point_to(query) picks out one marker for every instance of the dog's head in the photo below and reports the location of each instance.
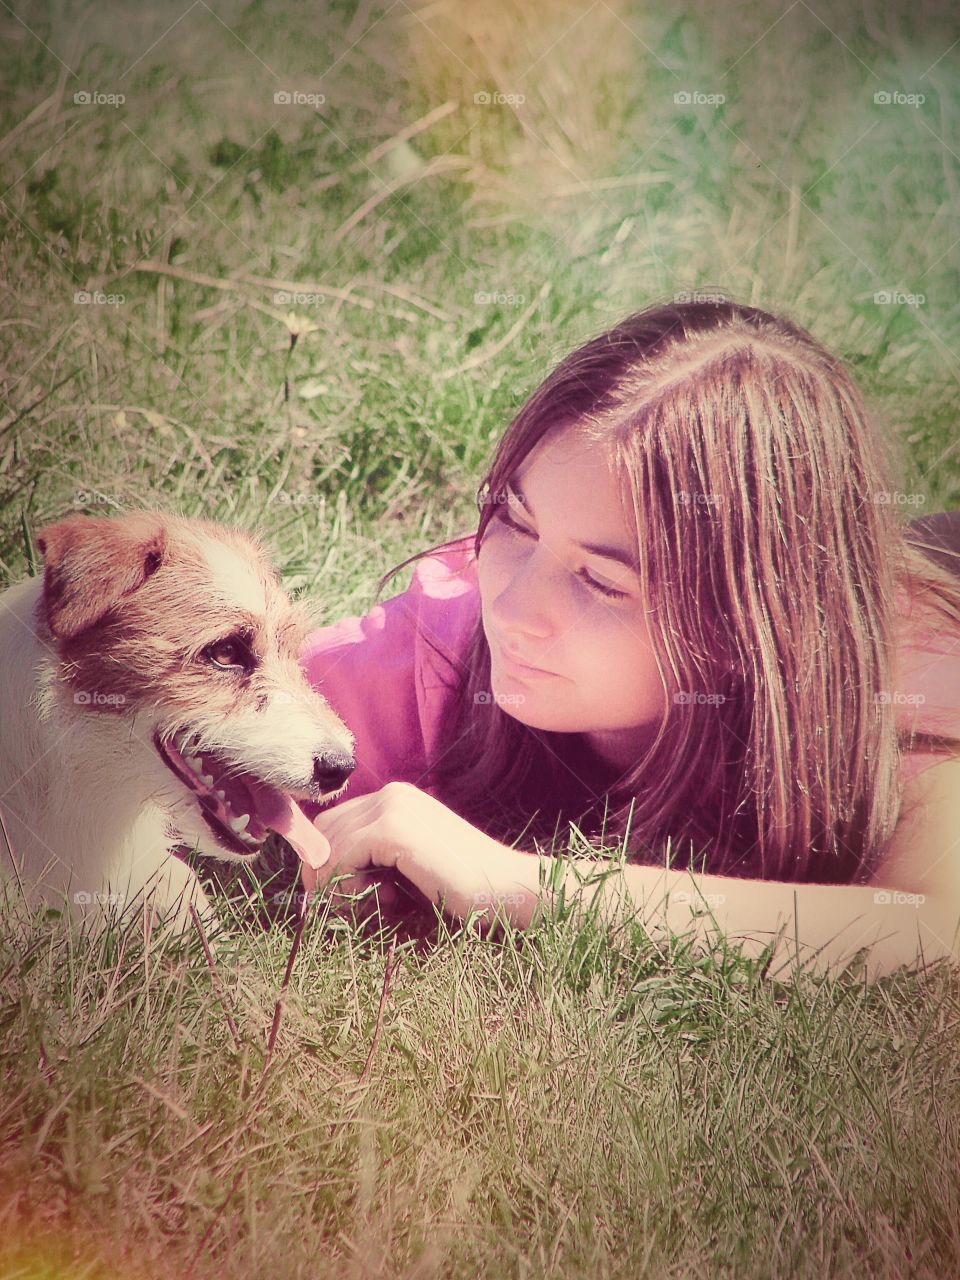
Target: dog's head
(178, 649)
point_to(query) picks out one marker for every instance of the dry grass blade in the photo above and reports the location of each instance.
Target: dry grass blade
(483, 356)
(384, 990)
(278, 1008)
(218, 984)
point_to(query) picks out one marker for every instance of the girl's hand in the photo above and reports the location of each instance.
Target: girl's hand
(447, 859)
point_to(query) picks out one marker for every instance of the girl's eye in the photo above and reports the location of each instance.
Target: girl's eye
(611, 592)
(501, 515)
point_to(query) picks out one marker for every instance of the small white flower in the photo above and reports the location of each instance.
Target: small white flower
(297, 324)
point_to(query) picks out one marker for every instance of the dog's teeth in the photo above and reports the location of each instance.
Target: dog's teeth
(195, 763)
(239, 825)
(222, 795)
(206, 779)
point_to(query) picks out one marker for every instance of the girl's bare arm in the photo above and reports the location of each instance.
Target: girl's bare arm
(909, 913)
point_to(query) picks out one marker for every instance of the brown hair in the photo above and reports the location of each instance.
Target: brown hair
(770, 548)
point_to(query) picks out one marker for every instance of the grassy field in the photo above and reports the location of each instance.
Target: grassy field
(295, 267)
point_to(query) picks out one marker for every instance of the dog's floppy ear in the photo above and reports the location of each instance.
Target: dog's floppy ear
(90, 563)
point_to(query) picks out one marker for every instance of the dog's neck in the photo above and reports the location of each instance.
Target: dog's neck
(62, 765)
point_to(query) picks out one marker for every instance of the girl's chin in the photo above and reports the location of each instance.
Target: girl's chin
(511, 699)
(521, 706)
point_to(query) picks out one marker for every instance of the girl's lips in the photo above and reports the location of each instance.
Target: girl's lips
(520, 668)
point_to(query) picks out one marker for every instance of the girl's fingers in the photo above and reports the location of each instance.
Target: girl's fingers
(347, 811)
(355, 832)
(346, 846)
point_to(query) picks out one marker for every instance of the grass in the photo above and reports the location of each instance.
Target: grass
(558, 1103)
(567, 1102)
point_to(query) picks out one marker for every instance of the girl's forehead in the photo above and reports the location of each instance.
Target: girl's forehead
(568, 451)
(574, 479)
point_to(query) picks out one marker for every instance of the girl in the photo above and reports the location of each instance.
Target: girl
(690, 625)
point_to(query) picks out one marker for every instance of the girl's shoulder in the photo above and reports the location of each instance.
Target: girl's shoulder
(387, 672)
(445, 596)
(926, 677)
(447, 572)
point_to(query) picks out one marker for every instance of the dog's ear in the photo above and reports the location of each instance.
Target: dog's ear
(90, 563)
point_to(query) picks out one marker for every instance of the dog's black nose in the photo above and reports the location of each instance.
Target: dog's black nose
(330, 772)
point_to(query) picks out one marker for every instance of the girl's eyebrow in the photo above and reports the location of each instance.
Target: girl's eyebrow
(592, 548)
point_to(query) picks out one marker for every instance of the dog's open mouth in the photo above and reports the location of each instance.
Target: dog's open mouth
(238, 807)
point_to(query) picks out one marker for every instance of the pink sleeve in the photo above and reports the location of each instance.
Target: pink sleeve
(927, 684)
(382, 674)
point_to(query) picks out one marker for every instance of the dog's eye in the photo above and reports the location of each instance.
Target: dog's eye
(229, 653)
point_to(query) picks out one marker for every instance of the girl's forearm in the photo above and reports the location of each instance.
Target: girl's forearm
(816, 926)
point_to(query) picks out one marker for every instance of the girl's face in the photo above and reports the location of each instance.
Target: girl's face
(552, 596)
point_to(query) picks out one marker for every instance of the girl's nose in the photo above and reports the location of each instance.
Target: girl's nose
(521, 608)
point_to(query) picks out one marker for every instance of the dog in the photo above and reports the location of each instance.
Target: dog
(151, 696)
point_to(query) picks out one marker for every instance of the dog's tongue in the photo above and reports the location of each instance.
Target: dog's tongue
(285, 816)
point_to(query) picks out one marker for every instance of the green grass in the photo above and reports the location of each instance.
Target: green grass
(561, 1102)
(566, 1103)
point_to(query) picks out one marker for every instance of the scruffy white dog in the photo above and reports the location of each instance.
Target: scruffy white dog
(151, 695)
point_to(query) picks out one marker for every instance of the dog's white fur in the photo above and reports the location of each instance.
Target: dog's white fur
(110, 646)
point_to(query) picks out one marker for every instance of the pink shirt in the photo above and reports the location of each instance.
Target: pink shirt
(387, 684)
(383, 679)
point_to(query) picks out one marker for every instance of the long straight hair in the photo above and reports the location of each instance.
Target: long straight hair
(771, 550)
